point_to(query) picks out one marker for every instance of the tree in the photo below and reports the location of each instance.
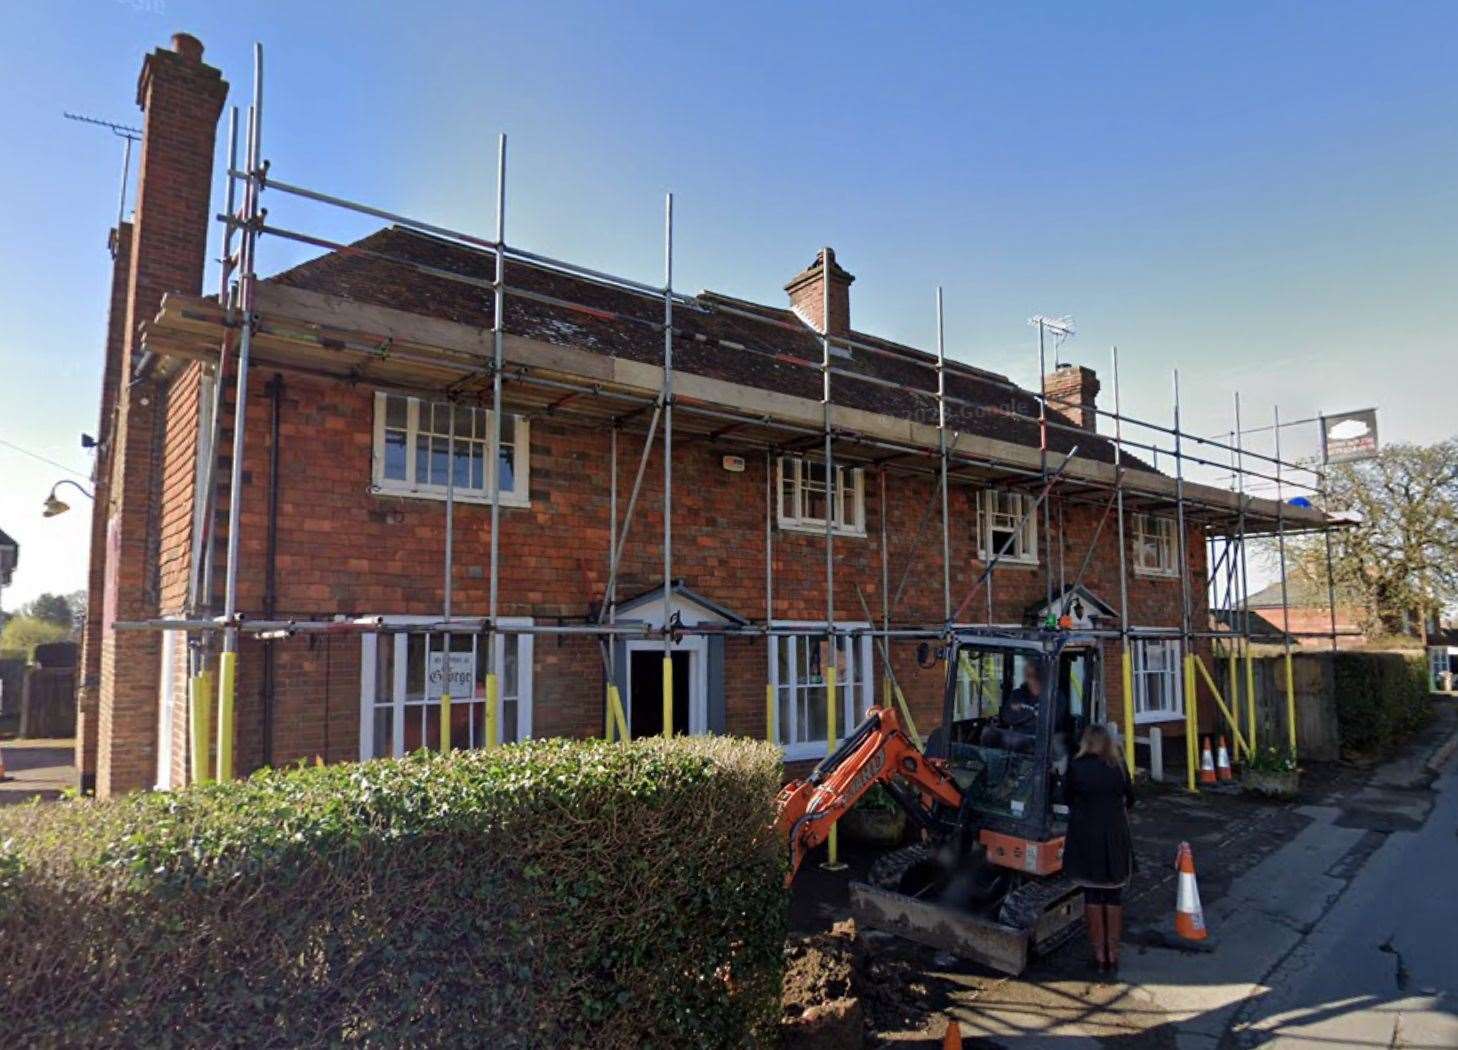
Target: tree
(77, 600)
(1400, 562)
(24, 632)
(53, 608)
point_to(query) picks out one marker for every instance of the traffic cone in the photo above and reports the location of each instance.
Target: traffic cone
(1222, 762)
(1207, 764)
(3, 775)
(953, 1039)
(1189, 916)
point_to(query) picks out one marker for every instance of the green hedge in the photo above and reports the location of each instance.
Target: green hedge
(1380, 697)
(552, 893)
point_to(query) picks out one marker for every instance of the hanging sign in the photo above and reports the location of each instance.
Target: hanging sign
(462, 671)
(1348, 437)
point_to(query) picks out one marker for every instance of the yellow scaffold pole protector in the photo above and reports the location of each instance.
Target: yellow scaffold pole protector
(227, 677)
(200, 724)
(832, 859)
(1250, 700)
(492, 714)
(667, 696)
(445, 714)
(617, 720)
(1128, 668)
(1234, 683)
(1290, 704)
(1192, 724)
(1230, 716)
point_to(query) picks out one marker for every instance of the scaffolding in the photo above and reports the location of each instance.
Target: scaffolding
(238, 326)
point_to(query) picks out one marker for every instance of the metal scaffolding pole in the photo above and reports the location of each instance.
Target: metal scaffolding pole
(1285, 601)
(1125, 657)
(498, 362)
(829, 666)
(667, 462)
(1250, 697)
(247, 279)
(886, 697)
(769, 585)
(1043, 466)
(1325, 497)
(942, 456)
(1192, 715)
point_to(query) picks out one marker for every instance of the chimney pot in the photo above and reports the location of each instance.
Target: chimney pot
(188, 46)
(808, 298)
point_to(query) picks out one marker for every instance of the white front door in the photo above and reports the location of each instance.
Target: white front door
(403, 676)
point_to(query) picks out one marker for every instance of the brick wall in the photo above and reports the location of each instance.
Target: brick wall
(180, 98)
(343, 550)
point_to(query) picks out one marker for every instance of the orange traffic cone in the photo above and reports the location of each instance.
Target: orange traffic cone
(1189, 916)
(1222, 762)
(3, 775)
(953, 1039)
(1207, 764)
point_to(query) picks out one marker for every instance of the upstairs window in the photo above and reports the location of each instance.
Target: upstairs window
(1004, 520)
(414, 443)
(1155, 549)
(803, 497)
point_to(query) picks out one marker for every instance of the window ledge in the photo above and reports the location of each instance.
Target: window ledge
(804, 751)
(508, 499)
(1156, 574)
(1011, 563)
(819, 530)
(1158, 717)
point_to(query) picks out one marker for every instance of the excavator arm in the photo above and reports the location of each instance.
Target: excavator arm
(878, 751)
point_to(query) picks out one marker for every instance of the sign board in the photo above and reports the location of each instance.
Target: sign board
(463, 675)
(1349, 436)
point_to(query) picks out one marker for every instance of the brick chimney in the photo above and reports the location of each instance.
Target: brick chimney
(807, 294)
(180, 98)
(1072, 391)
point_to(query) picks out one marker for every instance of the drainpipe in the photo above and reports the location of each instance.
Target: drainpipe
(274, 389)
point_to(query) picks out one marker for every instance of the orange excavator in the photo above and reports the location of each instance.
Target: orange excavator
(984, 882)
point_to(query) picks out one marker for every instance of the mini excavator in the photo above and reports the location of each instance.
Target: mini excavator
(985, 881)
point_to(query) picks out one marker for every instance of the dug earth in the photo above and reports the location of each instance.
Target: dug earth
(836, 993)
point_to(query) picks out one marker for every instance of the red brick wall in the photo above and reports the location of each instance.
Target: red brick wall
(344, 550)
(89, 682)
(181, 98)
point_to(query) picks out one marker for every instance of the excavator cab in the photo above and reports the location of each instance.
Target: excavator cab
(986, 882)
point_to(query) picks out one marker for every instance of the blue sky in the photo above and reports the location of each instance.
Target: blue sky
(1260, 194)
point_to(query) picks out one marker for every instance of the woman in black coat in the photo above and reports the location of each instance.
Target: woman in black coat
(1098, 853)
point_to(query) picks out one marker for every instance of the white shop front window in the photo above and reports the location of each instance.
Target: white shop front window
(403, 675)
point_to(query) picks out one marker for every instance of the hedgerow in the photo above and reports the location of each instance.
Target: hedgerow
(552, 893)
(1380, 697)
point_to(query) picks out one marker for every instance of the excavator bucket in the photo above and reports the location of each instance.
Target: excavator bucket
(1030, 921)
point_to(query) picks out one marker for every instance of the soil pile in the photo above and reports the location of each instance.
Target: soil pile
(835, 991)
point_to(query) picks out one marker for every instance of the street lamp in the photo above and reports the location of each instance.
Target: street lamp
(54, 506)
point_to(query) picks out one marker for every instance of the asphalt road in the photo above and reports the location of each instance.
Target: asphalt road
(1381, 968)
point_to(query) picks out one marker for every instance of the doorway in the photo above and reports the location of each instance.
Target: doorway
(645, 692)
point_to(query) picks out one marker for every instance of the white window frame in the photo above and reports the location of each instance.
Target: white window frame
(1171, 669)
(850, 488)
(853, 701)
(399, 687)
(1149, 528)
(519, 495)
(987, 510)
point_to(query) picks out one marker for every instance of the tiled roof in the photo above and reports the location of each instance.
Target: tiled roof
(710, 340)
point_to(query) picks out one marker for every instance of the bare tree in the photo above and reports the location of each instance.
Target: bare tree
(1400, 562)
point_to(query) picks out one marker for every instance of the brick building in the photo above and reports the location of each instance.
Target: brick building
(370, 387)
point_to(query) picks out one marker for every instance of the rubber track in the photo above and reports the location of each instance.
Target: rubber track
(1024, 906)
(888, 871)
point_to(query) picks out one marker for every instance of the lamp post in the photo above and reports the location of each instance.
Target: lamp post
(54, 506)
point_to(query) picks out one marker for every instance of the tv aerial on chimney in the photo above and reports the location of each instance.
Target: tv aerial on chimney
(1060, 328)
(128, 135)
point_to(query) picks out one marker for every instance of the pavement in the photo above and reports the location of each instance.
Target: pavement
(41, 768)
